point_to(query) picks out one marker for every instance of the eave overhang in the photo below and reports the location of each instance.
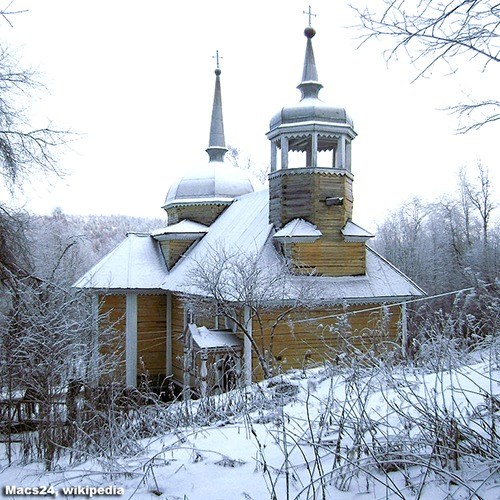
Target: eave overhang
(198, 202)
(311, 126)
(355, 234)
(184, 230)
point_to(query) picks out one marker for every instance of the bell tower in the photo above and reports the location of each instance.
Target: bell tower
(311, 203)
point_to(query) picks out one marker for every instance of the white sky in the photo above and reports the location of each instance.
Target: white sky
(136, 80)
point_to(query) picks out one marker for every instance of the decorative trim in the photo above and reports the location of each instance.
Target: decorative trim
(341, 172)
(195, 202)
(312, 126)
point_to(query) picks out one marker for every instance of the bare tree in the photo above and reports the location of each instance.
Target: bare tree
(450, 244)
(431, 32)
(402, 237)
(45, 336)
(228, 282)
(23, 149)
(480, 196)
(14, 247)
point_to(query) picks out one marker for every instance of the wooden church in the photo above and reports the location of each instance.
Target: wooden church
(300, 228)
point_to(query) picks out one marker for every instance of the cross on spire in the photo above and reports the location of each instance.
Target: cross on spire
(310, 14)
(217, 58)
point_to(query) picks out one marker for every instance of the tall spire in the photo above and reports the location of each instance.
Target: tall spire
(217, 144)
(309, 85)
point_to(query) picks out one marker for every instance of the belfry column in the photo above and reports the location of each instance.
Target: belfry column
(274, 156)
(340, 161)
(314, 150)
(284, 152)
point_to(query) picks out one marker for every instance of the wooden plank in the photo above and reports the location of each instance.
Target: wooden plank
(332, 258)
(112, 337)
(151, 333)
(297, 344)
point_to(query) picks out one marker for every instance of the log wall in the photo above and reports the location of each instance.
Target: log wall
(331, 258)
(112, 337)
(203, 214)
(302, 195)
(151, 334)
(173, 250)
(295, 345)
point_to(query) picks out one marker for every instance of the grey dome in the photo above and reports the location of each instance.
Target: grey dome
(311, 109)
(216, 182)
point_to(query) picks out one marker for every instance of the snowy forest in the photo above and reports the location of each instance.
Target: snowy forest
(420, 420)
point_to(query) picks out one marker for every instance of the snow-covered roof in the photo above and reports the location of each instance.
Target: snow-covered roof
(353, 232)
(298, 230)
(243, 226)
(382, 282)
(214, 339)
(185, 229)
(136, 263)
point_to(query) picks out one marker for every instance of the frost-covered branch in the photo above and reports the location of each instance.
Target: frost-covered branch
(434, 33)
(232, 281)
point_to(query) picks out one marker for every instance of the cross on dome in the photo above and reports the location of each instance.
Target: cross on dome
(217, 58)
(310, 14)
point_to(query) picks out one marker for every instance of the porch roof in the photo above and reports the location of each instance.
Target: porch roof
(224, 340)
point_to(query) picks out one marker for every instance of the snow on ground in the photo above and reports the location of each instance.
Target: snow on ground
(350, 434)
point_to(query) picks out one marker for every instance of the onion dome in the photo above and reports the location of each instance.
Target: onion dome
(310, 108)
(218, 182)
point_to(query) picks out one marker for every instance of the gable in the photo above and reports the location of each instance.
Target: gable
(244, 226)
(136, 263)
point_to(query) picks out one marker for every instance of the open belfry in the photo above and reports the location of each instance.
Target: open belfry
(299, 235)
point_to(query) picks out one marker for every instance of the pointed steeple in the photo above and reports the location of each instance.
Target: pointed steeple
(309, 85)
(217, 144)
(214, 185)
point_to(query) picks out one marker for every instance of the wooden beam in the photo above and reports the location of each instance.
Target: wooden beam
(131, 340)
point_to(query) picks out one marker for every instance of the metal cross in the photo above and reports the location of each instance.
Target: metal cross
(216, 57)
(310, 14)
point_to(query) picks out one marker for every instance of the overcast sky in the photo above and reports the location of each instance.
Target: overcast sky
(136, 80)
